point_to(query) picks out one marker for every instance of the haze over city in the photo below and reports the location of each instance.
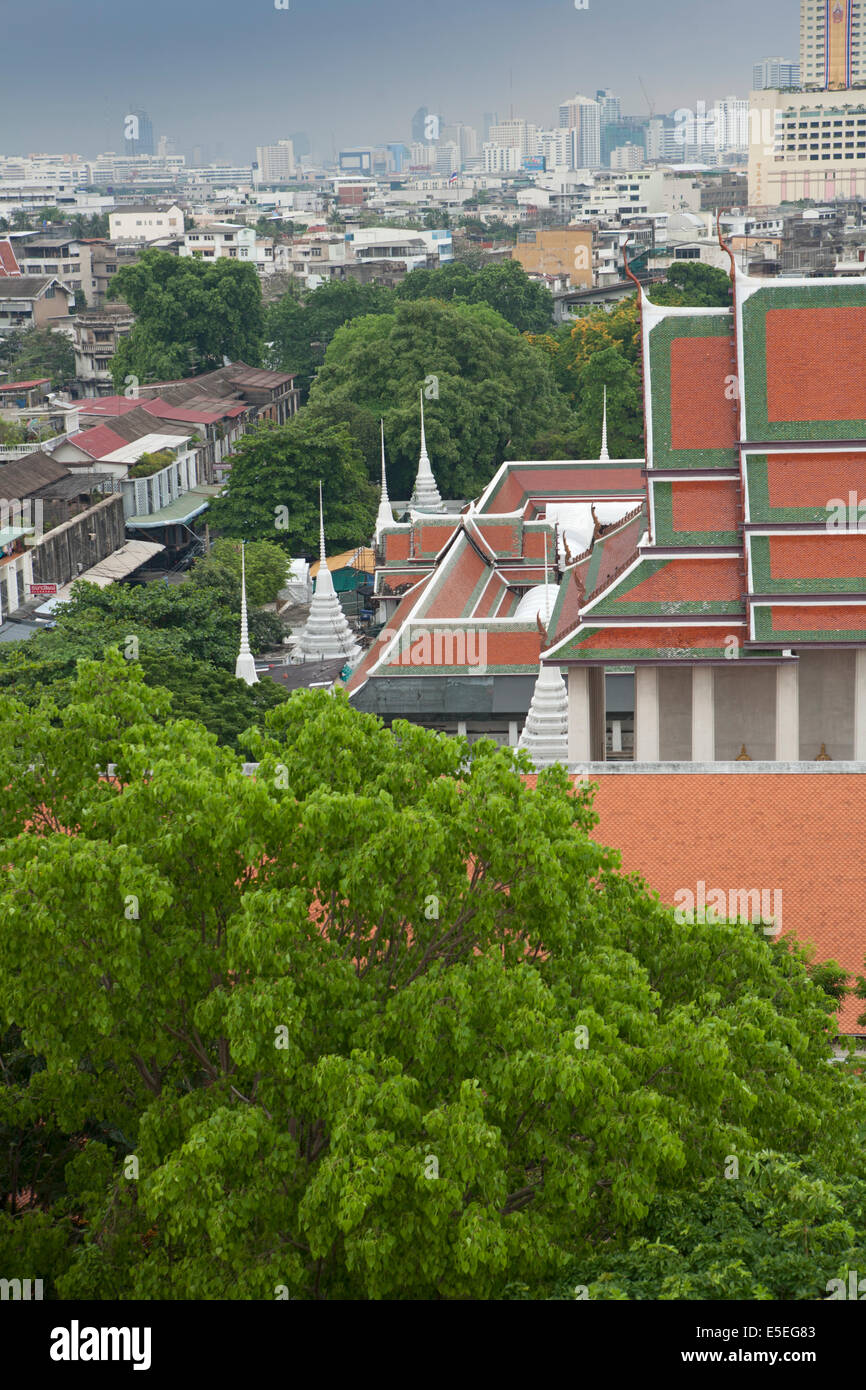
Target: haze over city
(229, 76)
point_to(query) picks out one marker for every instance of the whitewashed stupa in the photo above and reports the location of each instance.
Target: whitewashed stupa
(425, 494)
(326, 634)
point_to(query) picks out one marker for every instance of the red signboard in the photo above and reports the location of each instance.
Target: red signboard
(43, 589)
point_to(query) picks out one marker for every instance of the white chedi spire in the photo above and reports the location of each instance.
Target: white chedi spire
(245, 666)
(425, 494)
(604, 455)
(384, 516)
(326, 634)
(545, 733)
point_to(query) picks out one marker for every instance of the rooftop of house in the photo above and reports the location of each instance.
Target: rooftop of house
(26, 476)
(25, 385)
(29, 286)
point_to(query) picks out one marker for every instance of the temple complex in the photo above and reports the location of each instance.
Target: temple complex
(725, 574)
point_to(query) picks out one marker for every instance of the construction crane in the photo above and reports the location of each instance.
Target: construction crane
(650, 103)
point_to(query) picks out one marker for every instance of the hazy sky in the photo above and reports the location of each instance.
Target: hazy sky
(230, 74)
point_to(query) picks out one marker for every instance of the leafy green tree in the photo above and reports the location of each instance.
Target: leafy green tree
(703, 286)
(272, 492)
(189, 315)
(264, 563)
(299, 333)
(524, 303)
(325, 1072)
(184, 636)
(33, 352)
(488, 390)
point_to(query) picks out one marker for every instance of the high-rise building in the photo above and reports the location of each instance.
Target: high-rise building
(491, 118)
(137, 133)
(583, 115)
(276, 162)
(610, 106)
(806, 145)
(626, 131)
(515, 134)
(832, 44)
(775, 72)
(732, 125)
(419, 121)
(627, 157)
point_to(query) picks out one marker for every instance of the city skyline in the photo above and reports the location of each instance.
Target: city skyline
(386, 61)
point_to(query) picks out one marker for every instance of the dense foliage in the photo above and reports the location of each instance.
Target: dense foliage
(487, 391)
(183, 636)
(272, 491)
(253, 1050)
(189, 316)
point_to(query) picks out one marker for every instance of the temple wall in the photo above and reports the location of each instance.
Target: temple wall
(675, 713)
(826, 703)
(745, 711)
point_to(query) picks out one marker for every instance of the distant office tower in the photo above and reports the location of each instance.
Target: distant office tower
(775, 73)
(610, 107)
(732, 125)
(166, 145)
(422, 154)
(627, 157)
(515, 134)
(300, 144)
(399, 156)
(490, 118)
(276, 162)
(419, 121)
(464, 137)
(626, 131)
(832, 44)
(448, 158)
(583, 115)
(137, 133)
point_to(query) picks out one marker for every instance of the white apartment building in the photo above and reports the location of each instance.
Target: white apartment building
(276, 163)
(832, 43)
(145, 222)
(775, 72)
(807, 145)
(502, 159)
(732, 125)
(515, 134)
(583, 115)
(221, 240)
(627, 157)
(139, 169)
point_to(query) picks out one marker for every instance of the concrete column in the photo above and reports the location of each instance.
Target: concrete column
(12, 585)
(788, 714)
(461, 728)
(646, 714)
(513, 733)
(28, 571)
(579, 749)
(703, 715)
(860, 705)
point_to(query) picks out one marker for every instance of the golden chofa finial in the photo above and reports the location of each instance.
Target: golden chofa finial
(823, 756)
(742, 756)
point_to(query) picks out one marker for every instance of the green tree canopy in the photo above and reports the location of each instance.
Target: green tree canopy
(506, 287)
(32, 352)
(299, 332)
(189, 316)
(272, 491)
(264, 563)
(488, 392)
(381, 1022)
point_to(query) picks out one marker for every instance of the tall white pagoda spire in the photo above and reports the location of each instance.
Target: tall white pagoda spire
(604, 455)
(545, 733)
(326, 634)
(425, 494)
(384, 516)
(245, 666)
